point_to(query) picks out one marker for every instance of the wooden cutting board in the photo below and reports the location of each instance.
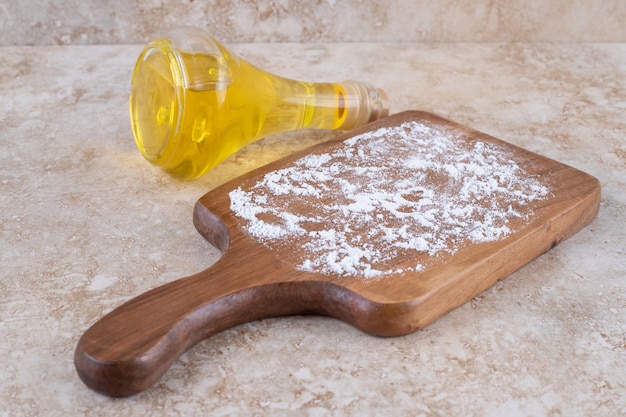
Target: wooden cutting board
(387, 228)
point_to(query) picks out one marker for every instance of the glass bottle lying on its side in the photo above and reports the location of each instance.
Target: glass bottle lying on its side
(193, 103)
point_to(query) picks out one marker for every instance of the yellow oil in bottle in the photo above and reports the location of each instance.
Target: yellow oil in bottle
(195, 104)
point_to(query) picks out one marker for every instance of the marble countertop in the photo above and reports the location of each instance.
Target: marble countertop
(87, 224)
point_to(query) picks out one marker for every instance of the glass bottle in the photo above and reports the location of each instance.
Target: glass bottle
(193, 103)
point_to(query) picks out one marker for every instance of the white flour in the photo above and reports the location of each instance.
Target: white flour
(386, 198)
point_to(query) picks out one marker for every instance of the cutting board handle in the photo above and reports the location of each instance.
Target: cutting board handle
(130, 348)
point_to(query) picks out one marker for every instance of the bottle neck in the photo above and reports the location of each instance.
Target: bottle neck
(336, 106)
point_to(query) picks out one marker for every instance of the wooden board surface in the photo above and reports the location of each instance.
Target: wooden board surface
(424, 227)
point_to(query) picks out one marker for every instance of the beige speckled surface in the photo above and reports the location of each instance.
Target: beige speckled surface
(86, 223)
(49, 22)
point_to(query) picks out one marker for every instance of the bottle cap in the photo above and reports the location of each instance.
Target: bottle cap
(365, 104)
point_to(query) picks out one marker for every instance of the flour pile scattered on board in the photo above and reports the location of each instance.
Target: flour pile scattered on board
(387, 196)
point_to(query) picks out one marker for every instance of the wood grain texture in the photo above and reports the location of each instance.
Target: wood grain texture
(133, 346)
